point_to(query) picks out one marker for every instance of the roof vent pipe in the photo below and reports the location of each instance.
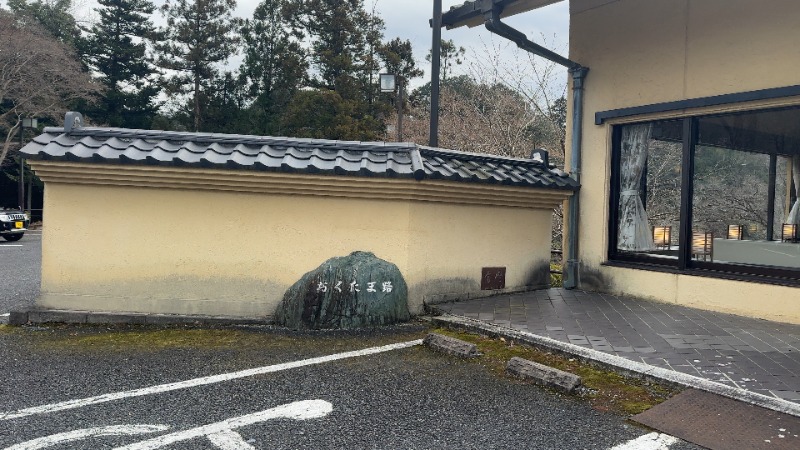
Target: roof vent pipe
(578, 72)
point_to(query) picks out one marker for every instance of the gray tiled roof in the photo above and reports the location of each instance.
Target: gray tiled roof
(315, 156)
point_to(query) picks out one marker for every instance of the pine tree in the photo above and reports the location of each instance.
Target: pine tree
(200, 35)
(450, 56)
(55, 16)
(118, 52)
(274, 65)
(398, 58)
(339, 33)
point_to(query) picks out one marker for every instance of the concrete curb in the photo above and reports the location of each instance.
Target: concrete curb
(39, 316)
(451, 346)
(619, 364)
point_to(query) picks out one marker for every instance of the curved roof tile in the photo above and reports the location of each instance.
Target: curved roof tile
(317, 156)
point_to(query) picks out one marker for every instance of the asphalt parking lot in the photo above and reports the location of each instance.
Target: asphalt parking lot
(20, 271)
(242, 388)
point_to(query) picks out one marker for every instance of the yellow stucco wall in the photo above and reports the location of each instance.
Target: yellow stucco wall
(114, 247)
(642, 52)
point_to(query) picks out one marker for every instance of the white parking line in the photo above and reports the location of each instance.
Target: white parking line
(652, 441)
(77, 435)
(80, 403)
(11, 245)
(221, 432)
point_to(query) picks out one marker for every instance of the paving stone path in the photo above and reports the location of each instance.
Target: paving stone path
(753, 354)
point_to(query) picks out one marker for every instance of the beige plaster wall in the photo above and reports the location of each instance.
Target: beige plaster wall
(465, 238)
(165, 250)
(642, 52)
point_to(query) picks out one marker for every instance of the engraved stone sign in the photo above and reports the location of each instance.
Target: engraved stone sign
(354, 291)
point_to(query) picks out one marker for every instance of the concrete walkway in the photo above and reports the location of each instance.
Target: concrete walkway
(752, 354)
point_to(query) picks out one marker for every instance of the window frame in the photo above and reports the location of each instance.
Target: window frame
(684, 264)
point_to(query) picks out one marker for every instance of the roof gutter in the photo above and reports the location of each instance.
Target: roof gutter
(491, 15)
(495, 25)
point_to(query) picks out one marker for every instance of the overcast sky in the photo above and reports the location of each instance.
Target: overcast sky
(408, 19)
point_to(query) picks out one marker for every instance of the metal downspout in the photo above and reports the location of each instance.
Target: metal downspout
(571, 267)
(578, 72)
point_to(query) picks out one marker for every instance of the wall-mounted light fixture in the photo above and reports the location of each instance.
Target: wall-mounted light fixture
(790, 232)
(736, 232)
(703, 245)
(662, 236)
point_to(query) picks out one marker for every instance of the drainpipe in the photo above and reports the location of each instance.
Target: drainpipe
(494, 25)
(578, 72)
(571, 267)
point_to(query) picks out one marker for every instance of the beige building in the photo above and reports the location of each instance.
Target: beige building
(688, 145)
(208, 224)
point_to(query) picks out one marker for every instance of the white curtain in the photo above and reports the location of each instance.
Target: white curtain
(794, 213)
(634, 231)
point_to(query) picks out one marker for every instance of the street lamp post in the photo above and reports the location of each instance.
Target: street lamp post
(389, 83)
(26, 123)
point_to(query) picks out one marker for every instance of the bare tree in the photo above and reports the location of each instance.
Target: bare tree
(39, 77)
(504, 106)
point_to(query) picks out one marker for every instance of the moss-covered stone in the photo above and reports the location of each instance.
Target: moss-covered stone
(355, 291)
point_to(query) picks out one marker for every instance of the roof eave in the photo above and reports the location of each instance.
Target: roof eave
(471, 14)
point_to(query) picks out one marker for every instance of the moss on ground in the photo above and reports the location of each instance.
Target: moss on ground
(96, 338)
(605, 390)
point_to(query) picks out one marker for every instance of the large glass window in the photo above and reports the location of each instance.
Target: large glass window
(648, 185)
(736, 205)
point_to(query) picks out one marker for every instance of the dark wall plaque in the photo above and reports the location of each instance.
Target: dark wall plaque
(493, 278)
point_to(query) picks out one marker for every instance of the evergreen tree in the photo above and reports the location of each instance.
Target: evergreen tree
(449, 56)
(345, 43)
(118, 52)
(54, 16)
(324, 114)
(274, 66)
(398, 58)
(226, 111)
(338, 32)
(200, 35)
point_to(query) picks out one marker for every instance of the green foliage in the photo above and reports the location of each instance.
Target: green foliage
(54, 16)
(340, 33)
(345, 50)
(556, 277)
(274, 66)
(449, 56)
(199, 35)
(117, 51)
(324, 114)
(398, 58)
(309, 66)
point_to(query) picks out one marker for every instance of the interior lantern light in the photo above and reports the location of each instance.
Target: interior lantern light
(703, 245)
(736, 232)
(790, 232)
(662, 236)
